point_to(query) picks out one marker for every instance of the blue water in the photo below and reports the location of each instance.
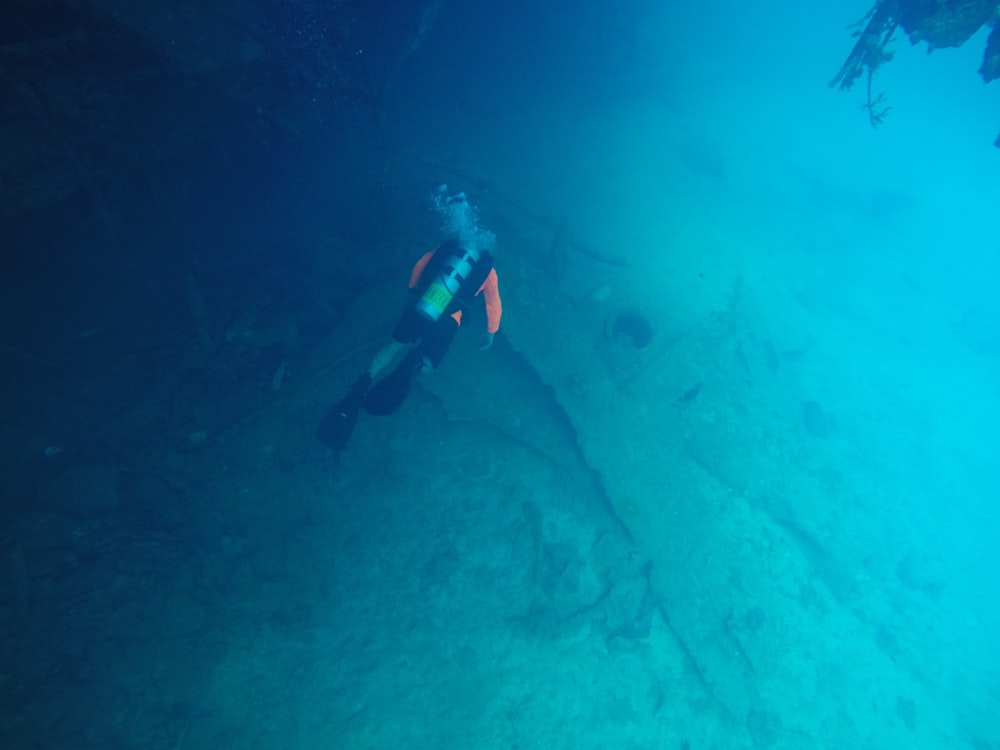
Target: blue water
(726, 477)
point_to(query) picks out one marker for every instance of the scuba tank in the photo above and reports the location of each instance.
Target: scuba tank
(442, 290)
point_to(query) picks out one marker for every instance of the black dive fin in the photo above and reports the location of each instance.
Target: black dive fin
(338, 424)
(388, 394)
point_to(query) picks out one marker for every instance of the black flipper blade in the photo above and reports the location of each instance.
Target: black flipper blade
(338, 424)
(388, 394)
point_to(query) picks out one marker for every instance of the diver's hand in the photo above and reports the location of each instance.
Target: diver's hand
(486, 341)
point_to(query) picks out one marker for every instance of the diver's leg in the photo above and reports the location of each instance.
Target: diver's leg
(385, 357)
(409, 330)
(435, 344)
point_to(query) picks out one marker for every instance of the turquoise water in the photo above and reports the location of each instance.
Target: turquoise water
(725, 479)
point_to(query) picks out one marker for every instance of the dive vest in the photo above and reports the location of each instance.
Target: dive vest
(450, 280)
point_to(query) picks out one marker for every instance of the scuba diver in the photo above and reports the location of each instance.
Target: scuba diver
(444, 282)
